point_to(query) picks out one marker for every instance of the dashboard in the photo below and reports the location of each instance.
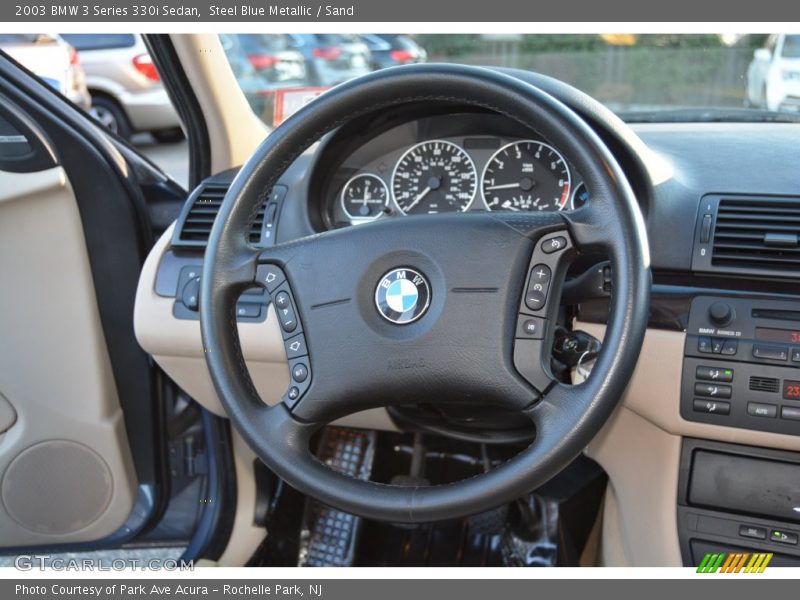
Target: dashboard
(719, 372)
(450, 163)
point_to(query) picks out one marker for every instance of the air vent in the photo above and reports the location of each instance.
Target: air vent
(763, 384)
(195, 226)
(757, 234)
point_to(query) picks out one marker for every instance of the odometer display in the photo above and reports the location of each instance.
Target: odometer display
(433, 177)
(526, 176)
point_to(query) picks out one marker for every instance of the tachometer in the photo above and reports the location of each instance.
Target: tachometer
(526, 176)
(432, 177)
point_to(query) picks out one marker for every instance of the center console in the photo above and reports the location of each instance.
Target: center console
(741, 365)
(741, 368)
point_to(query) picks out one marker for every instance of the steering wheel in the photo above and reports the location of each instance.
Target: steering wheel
(429, 309)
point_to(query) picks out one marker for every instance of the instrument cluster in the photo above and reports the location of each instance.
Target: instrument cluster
(452, 173)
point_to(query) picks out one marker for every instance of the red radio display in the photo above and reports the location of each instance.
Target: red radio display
(785, 336)
(791, 389)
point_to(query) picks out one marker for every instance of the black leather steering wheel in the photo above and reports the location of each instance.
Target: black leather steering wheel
(429, 309)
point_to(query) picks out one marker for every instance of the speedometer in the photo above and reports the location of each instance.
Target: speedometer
(432, 177)
(526, 176)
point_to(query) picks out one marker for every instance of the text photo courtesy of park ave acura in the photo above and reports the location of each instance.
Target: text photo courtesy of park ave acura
(379, 299)
(169, 589)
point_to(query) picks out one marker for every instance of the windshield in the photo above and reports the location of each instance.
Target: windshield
(649, 77)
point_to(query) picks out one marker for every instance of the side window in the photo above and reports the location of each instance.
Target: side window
(791, 46)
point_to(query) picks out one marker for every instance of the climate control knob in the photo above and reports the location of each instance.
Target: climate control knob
(721, 313)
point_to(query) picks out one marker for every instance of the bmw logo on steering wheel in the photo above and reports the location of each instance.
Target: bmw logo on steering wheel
(402, 296)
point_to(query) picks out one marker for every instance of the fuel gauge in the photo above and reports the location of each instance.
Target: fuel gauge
(364, 196)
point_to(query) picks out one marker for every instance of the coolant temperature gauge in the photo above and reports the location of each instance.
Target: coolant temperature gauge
(364, 196)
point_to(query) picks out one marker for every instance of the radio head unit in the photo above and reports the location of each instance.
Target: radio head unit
(741, 364)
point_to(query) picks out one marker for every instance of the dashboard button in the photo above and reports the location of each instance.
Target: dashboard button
(758, 409)
(770, 352)
(190, 295)
(540, 274)
(535, 300)
(783, 537)
(270, 276)
(704, 344)
(712, 390)
(714, 374)
(791, 413)
(252, 311)
(287, 317)
(554, 244)
(538, 285)
(756, 533)
(293, 393)
(282, 300)
(712, 407)
(730, 347)
(299, 372)
(795, 354)
(717, 345)
(530, 327)
(295, 346)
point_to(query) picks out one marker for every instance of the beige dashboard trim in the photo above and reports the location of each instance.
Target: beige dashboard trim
(176, 345)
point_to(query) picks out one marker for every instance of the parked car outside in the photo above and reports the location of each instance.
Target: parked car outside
(274, 59)
(253, 82)
(52, 59)
(332, 58)
(773, 77)
(126, 90)
(389, 50)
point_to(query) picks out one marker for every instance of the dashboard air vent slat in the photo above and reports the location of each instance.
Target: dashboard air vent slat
(761, 234)
(764, 384)
(195, 227)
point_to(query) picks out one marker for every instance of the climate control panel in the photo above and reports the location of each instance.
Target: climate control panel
(741, 364)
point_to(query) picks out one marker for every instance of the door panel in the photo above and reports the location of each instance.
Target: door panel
(66, 467)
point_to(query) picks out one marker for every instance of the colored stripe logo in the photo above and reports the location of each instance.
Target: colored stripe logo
(737, 562)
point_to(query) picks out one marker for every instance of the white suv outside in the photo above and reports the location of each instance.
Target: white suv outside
(773, 77)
